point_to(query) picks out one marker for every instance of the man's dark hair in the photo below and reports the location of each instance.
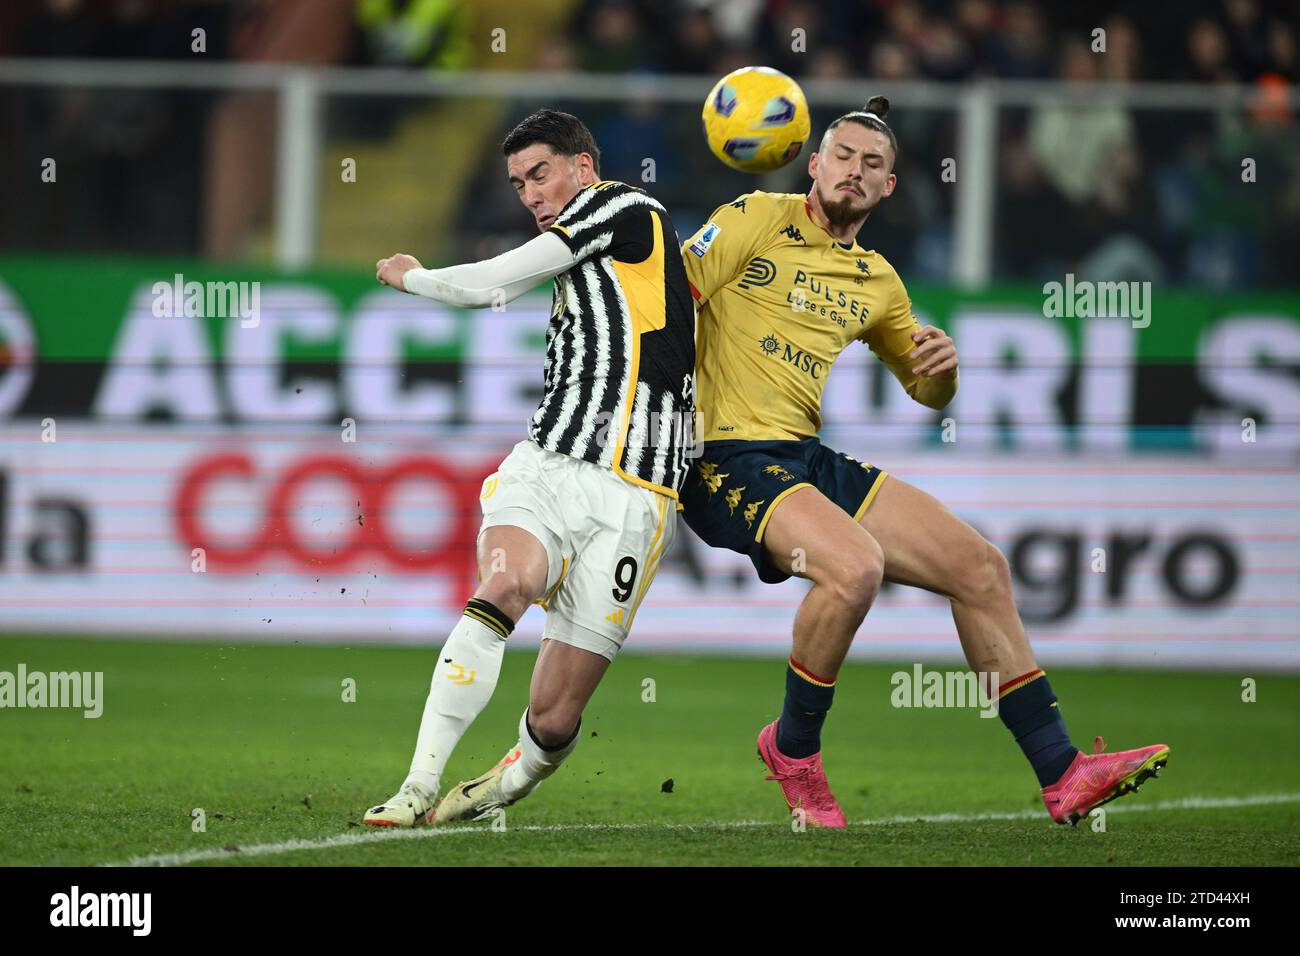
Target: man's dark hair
(872, 116)
(563, 132)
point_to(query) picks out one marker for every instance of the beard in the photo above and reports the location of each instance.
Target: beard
(845, 209)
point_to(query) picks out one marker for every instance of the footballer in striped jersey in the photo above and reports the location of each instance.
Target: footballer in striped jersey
(579, 514)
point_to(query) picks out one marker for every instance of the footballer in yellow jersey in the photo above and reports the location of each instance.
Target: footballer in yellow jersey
(782, 288)
(779, 299)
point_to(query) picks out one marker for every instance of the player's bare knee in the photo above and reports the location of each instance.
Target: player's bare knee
(856, 577)
(511, 589)
(552, 725)
(984, 574)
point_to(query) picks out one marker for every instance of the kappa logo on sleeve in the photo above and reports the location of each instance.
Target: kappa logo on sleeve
(705, 239)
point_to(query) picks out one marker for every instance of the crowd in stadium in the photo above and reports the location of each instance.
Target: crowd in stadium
(946, 40)
(1148, 189)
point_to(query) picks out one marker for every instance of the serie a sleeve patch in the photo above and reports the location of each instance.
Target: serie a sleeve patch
(705, 239)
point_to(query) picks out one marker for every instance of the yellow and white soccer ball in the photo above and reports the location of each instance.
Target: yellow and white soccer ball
(756, 119)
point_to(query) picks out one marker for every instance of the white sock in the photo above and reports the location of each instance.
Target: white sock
(463, 681)
(536, 763)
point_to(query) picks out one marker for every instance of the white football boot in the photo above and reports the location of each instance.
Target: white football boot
(480, 798)
(411, 806)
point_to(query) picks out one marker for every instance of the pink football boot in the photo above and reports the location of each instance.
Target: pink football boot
(1097, 778)
(803, 782)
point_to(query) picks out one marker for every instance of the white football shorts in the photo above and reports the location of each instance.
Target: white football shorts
(603, 536)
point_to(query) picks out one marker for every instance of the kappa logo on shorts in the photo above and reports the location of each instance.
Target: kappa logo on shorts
(710, 478)
(733, 498)
(751, 512)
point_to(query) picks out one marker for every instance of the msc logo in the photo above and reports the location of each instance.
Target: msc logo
(759, 272)
(792, 233)
(803, 361)
(800, 359)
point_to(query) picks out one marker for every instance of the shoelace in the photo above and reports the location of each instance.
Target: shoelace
(822, 798)
(415, 795)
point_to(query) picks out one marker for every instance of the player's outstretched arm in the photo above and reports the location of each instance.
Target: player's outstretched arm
(477, 285)
(924, 360)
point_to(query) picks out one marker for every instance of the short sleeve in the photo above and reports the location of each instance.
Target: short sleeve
(725, 244)
(608, 218)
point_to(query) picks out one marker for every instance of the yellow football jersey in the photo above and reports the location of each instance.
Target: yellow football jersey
(779, 299)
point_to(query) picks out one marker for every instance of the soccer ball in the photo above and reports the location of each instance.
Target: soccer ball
(756, 119)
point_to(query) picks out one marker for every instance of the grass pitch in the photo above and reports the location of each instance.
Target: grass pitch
(260, 738)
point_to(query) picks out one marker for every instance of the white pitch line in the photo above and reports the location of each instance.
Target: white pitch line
(422, 833)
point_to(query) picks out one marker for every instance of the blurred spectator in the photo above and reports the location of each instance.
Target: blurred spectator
(1022, 50)
(693, 42)
(417, 33)
(891, 61)
(556, 55)
(1119, 64)
(611, 38)
(1031, 243)
(1207, 49)
(945, 53)
(1083, 140)
(831, 63)
(1247, 36)
(1282, 54)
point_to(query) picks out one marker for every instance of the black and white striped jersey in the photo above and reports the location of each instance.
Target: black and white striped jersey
(620, 346)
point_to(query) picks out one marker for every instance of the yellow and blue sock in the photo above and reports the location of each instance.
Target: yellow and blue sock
(1028, 707)
(807, 699)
